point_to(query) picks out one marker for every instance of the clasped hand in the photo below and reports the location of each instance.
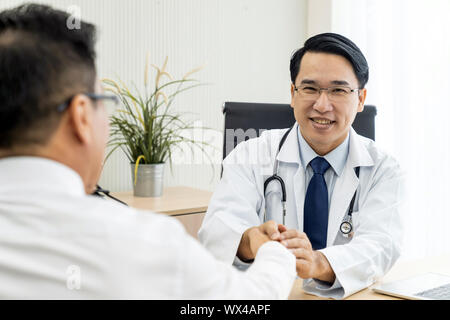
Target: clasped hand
(310, 263)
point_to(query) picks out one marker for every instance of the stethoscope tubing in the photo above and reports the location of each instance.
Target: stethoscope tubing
(346, 226)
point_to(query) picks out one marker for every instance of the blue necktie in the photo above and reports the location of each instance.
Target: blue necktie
(315, 213)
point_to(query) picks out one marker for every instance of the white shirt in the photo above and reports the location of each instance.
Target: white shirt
(56, 242)
(336, 158)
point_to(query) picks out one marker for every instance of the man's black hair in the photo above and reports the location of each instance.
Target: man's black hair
(43, 62)
(335, 44)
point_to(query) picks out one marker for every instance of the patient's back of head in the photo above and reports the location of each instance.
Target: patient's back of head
(42, 62)
(56, 241)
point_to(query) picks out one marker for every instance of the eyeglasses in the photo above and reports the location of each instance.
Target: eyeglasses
(309, 92)
(93, 96)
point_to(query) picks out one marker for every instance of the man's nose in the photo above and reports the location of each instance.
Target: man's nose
(322, 103)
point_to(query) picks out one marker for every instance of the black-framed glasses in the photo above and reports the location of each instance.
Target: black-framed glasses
(335, 93)
(93, 96)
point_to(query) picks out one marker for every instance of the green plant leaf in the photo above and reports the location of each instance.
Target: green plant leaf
(145, 125)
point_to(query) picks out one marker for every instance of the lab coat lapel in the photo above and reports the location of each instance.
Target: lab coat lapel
(343, 192)
(290, 153)
(346, 185)
(299, 194)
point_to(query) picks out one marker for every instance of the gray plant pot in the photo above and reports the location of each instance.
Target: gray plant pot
(149, 182)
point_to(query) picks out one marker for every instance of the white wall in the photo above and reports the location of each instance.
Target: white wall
(246, 45)
(406, 43)
(320, 17)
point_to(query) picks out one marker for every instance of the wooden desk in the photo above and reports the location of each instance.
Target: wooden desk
(186, 204)
(401, 270)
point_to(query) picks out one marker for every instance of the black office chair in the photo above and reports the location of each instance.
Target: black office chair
(244, 121)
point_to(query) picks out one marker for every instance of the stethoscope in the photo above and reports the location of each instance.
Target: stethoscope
(346, 226)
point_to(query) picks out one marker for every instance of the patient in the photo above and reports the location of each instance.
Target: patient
(56, 240)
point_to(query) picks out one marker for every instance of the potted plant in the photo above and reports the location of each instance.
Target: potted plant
(146, 128)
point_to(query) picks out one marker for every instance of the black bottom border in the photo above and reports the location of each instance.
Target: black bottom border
(224, 309)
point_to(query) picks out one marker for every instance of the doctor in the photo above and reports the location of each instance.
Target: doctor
(341, 216)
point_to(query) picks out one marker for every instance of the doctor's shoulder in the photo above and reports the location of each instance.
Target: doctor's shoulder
(259, 151)
(385, 166)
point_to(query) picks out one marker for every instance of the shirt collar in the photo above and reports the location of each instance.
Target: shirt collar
(336, 158)
(39, 173)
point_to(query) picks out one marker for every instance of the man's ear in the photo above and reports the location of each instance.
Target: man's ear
(362, 98)
(292, 94)
(80, 116)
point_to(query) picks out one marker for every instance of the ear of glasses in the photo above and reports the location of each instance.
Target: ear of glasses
(93, 96)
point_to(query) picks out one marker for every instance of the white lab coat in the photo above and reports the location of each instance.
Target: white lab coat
(56, 242)
(238, 203)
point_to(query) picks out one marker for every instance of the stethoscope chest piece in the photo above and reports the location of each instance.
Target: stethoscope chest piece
(346, 228)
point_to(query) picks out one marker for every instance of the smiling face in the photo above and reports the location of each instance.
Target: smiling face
(325, 123)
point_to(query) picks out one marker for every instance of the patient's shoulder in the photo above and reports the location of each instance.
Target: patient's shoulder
(114, 219)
